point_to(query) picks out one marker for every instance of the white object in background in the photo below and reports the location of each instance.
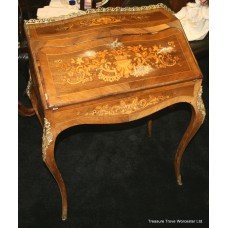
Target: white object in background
(57, 8)
(58, 3)
(195, 20)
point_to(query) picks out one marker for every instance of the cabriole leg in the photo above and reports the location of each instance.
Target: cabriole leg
(49, 138)
(198, 115)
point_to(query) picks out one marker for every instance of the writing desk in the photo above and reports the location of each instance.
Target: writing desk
(108, 66)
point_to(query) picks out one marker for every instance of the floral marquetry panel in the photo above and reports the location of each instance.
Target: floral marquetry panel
(124, 106)
(115, 63)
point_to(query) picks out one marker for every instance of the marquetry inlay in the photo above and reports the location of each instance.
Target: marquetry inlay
(105, 20)
(124, 106)
(117, 62)
(64, 28)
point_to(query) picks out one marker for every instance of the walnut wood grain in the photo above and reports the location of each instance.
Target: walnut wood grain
(110, 67)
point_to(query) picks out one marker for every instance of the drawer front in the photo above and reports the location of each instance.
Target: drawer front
(124, 107)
